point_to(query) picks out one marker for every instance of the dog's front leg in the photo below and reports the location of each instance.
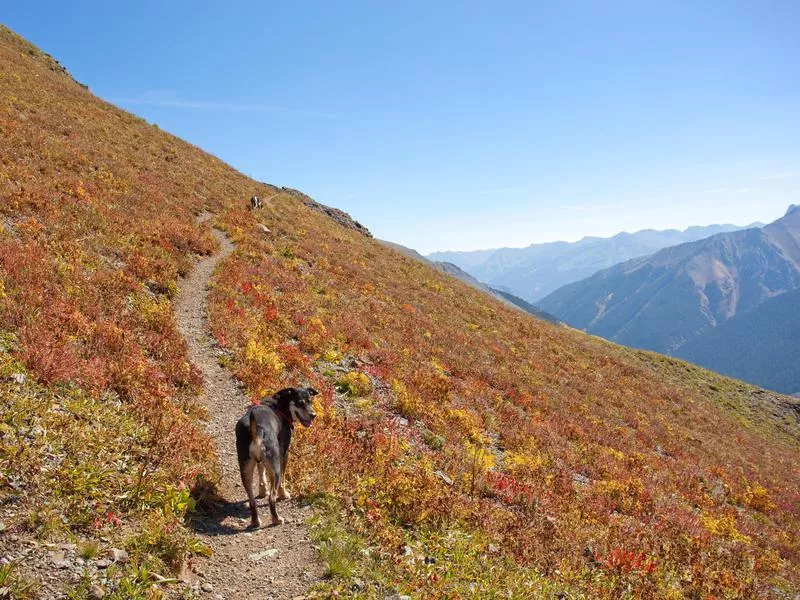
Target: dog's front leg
(247, 482)
(282, 493)
(262, 480)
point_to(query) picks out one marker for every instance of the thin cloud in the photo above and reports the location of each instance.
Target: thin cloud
(168, 99)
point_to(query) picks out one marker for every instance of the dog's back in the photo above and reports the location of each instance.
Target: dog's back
(254, 426)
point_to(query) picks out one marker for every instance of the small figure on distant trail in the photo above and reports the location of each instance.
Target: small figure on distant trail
(255, 202)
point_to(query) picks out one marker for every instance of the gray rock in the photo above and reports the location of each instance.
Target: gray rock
(18, 378)
(97, 593)
(103, 563)
(444, 477)
(357, 585)
(117, 555)
(207, 587)
(580, 480)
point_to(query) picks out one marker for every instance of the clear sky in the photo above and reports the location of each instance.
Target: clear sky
(462, 125)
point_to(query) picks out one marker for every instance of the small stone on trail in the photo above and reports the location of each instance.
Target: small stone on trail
(264, 228)
(60, 561)
(207, 587)
(270, 553)
(103, 563)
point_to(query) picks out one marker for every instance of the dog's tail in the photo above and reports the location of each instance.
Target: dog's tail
(253, 427)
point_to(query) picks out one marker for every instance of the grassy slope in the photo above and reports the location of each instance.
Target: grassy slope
(529, 457)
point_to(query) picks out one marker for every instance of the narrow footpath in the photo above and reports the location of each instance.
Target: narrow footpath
(277, 563)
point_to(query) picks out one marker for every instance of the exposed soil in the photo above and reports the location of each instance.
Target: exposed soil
(271, 562)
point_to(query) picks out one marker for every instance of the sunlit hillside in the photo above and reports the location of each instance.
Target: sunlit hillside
(464, 449)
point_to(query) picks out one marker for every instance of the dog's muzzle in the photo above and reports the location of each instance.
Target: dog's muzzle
(306, 420)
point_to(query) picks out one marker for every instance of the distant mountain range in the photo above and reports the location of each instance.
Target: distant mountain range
(728, 302)
(533, 272)
(458, 273)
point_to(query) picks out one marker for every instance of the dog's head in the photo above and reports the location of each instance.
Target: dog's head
(297, 400)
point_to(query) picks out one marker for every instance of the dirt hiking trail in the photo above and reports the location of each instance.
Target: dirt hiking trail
(276, 563)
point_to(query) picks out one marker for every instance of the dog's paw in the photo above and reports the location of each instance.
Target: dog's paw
(277, 521)
(254, 524)
(284, 495)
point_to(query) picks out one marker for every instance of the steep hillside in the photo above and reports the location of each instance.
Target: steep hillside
(534, 272)
(677, 296)
(462, 448)
(761, 346)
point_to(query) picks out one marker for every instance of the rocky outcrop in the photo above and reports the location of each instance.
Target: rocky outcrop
(339, 216)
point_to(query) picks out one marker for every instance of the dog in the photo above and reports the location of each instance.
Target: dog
(263, 436)
(255, 202)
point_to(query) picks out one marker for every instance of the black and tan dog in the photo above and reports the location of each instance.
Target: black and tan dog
(263, 436)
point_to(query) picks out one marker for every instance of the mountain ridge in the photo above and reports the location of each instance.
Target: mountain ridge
(664, 301)
(535, 271)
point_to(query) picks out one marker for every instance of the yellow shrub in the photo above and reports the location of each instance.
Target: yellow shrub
(257, 353)
(354, 383)
(522, 461)
(155, 311)
(406, 403)
(756, 496)
(469, 424)
(724, 526)
(332, 355)
(479, 456)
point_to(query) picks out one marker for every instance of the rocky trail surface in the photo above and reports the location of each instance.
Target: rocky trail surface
(276, 563)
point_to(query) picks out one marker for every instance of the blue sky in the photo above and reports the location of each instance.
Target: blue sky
(462, 125)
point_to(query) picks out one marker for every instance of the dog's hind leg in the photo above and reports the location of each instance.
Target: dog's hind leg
(247, 481)
(262, 481)
(275, 479)
(282, 493)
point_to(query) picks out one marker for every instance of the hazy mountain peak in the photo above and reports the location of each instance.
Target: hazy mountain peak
(539, 269)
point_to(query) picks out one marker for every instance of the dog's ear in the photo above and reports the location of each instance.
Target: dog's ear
(311, 391)
(284, 396)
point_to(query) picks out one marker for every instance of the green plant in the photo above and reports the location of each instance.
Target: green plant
(12, 585)
(88, 549)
